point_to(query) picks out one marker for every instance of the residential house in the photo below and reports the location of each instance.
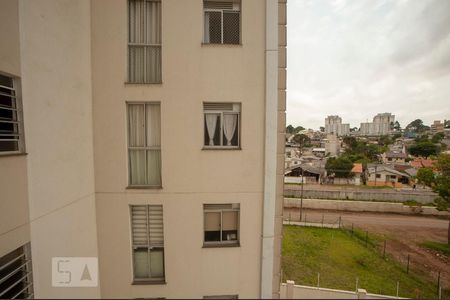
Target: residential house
(93, 94)
(384, 175)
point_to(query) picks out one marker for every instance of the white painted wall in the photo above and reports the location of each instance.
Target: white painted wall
(57, 99)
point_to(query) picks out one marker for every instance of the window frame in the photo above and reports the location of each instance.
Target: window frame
(221, 243)
(144, 148)
(145, 45)
(221, 114)
(23, 257)
(150, 280)
(16, 89)
(205, 10)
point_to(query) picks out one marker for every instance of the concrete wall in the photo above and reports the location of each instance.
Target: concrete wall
(382, 207)
(291, 291)
(57, 101)
(363, 195)
(14, 216)
(192, 73)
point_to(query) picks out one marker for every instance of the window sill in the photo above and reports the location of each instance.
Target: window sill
(143, 187)
(143, 83)
(148, 282)
(237, 245)
(221, 45)
(6, 154)
(221, 148)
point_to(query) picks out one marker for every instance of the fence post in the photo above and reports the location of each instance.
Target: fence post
(289, 217)
(356, 284)
(322, 220)
(367, 236)
(361, 293)
(439, 284)
(318, 280)
(352, 229)
(290, 289)
(384, 250)
(398, 286)
(339, 221)
(407, 266)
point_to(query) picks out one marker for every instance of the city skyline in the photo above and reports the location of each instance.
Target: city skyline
(356, 59)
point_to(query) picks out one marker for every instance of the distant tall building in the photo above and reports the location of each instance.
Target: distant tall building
(333, 124)
(436, 127)
(381, 125)
(332, 145)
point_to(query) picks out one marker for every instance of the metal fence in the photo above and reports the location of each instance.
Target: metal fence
(377, 243)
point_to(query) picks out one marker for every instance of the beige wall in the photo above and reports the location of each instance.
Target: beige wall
(14, 227)
(56, 88)
(192, 73)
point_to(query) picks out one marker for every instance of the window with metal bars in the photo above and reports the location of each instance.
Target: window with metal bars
(144, 144)
(11, 124)
(16, 276)
(144, 41)
(222, 125)
(222, 22)
(221, 224)
(147, 243)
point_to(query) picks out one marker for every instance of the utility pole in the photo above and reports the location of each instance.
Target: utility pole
(301, 196)
(375, 175)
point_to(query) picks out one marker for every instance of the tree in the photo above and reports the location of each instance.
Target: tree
(396, 136)
(384, 140)
(322, 129)
(350, 141)
(424, 149)
(397, 126)
(421, 138)
(447, 124)
(341, 167)
(302, 139)
(417, 126)
(290, 129)
(425, 176)
(438, 137)
(441, 186)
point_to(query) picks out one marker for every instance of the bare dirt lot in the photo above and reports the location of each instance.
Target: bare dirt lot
(403, 236)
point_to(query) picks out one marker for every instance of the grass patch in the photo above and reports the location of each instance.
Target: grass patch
(339, 258)
(439, 247)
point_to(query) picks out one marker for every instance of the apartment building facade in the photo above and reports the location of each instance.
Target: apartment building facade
(149, 134)
(333, 125)
(382, 125)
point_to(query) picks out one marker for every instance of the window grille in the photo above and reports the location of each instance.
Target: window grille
(222, 125)
(144, 41)
(148, 242)
(144, 144)
(11, 124)
(16, 279)
(221, 224)
(222, 22)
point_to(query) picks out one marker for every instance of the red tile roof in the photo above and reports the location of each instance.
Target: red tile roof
(357, 168)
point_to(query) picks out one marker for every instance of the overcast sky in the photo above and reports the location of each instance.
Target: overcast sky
(357, 58)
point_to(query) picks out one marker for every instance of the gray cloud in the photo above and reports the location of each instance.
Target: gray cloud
(357, 58)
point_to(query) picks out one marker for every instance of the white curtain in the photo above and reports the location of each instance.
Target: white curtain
(206, 28)
(153, 120)
(229, 126)
(211, 122)
(153, 114)
(136, 119)
(144, 60)
(154, 167)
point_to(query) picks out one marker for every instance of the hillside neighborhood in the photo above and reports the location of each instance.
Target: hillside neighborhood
(378, 154)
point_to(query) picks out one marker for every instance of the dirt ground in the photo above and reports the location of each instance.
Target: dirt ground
(403, 235)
